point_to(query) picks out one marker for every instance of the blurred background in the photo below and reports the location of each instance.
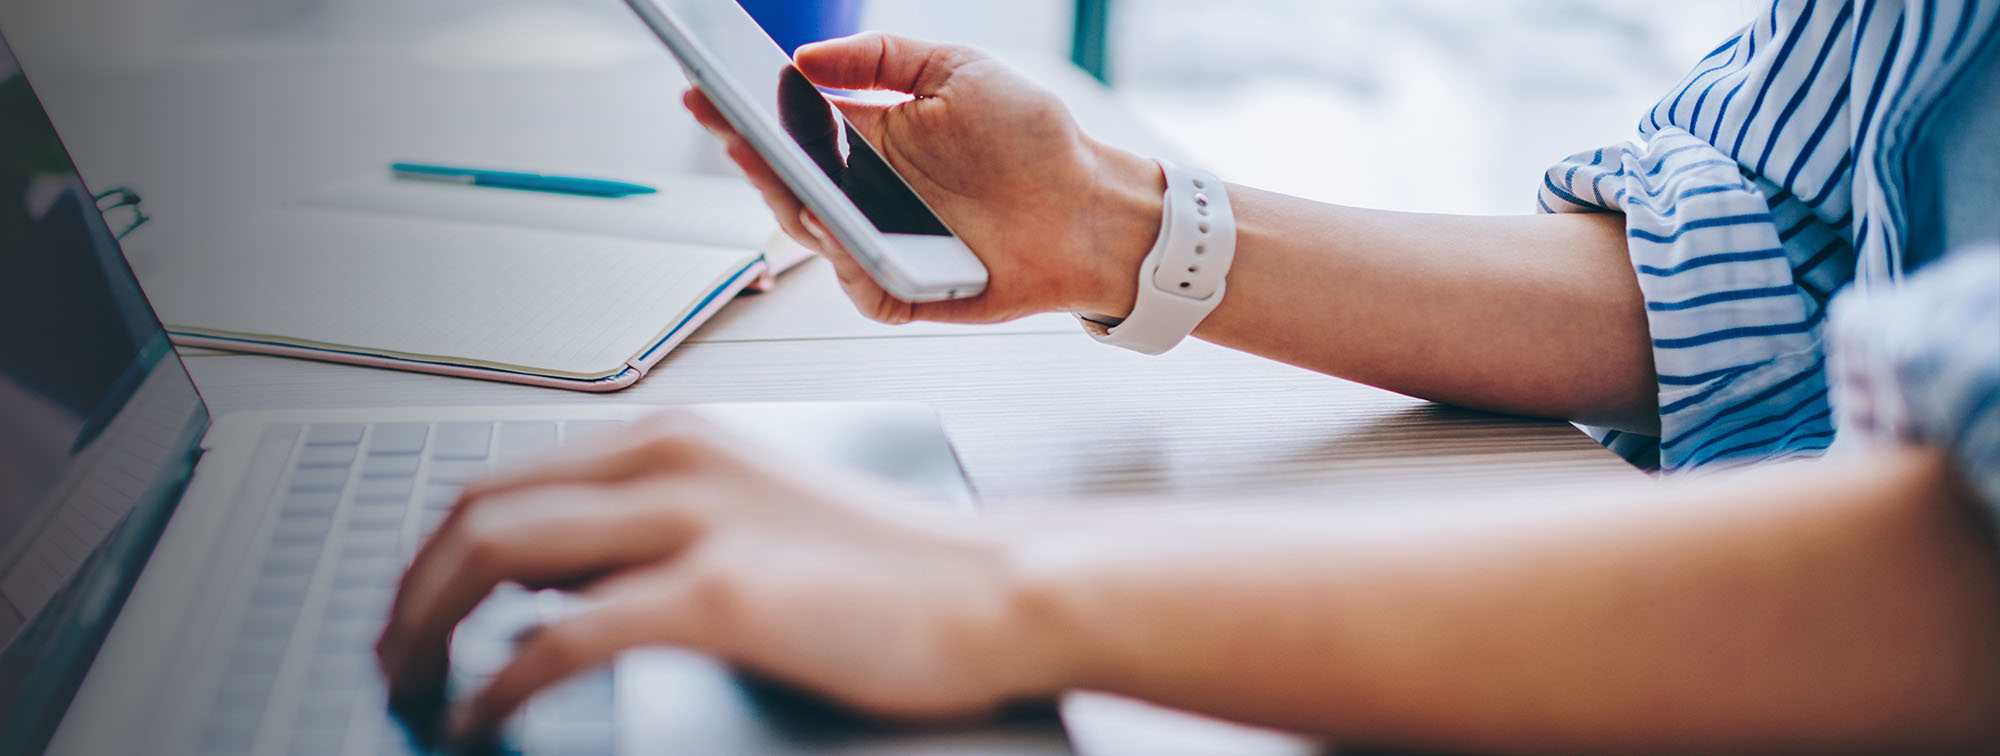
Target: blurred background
(1431, 105)
(210, 107)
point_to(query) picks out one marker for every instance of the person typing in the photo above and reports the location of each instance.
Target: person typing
(1765, 274)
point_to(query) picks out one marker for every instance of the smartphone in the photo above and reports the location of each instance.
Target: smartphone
(891, 232)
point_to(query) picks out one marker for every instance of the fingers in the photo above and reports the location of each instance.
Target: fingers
(799, 222)
(543, 536)
(558, 651)
(705, 112)
(784, 205)
(882, 61)
(845, 268)
(868, 297)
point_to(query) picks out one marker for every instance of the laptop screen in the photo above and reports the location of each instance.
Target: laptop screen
(99, 423)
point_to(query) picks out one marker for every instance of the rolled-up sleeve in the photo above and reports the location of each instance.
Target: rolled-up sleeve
(1735, 326)
(1755, 192)
(1920, 364)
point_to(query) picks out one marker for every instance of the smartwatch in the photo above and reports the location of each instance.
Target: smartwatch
(1182, 278)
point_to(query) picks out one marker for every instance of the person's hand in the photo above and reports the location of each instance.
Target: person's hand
(676, 534)
(1060, 220)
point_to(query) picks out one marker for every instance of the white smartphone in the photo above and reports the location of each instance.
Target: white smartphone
(895, 236)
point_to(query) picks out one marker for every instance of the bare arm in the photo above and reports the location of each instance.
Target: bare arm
(1827, 606)
(1820, 607)
(1534, 315)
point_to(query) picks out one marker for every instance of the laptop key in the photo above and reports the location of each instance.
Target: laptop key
(276, 588)
(306, 502)
(457, 471)
(525, 440)
(349, 633)
(309, 507)
(370, 543)
(390, 467)
(270, 620)
(292, 532)
(257, 652)
(463, 441)
(319, 479)
(364, 571)
(343, 434)
(385, 489)
(327, 456)
(292, 561)
(358, 601)
(398, 439)
(442, 496)
(375, 518)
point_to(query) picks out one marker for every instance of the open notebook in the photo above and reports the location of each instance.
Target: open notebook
(554, 290)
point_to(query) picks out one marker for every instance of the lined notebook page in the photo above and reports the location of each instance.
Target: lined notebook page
(704, 210)
(542, 302)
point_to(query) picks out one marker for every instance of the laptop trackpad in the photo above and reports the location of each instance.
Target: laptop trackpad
(671, 702)
(678, 702)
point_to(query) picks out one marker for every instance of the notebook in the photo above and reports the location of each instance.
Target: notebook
(555, 290)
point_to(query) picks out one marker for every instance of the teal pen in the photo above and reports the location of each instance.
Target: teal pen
(533, 182)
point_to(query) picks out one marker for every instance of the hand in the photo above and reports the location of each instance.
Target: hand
(677, 534)
(1060, 220)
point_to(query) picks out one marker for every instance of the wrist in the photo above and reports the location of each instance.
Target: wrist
(1053, 642)
(997, 620)
(1123, 214)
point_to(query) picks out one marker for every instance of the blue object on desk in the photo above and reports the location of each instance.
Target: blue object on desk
(533, 182)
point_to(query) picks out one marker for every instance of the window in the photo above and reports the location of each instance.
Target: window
(1436, 105)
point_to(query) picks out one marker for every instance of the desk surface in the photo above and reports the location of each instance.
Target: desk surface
(1042, 416)
(1045, 418)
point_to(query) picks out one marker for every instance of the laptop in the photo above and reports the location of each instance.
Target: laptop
(176, 584)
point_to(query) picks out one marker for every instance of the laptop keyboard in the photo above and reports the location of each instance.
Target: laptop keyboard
(356, 501)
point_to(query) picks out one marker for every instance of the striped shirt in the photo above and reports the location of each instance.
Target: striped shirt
(1773, 176)
(1900, 378)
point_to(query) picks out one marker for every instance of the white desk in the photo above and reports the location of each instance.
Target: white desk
(1041, 415)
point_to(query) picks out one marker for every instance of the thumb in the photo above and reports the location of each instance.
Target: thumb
(866, 117)
(881, 61)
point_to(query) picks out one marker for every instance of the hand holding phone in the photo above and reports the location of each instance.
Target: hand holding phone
(808, 145)
(1059, 220)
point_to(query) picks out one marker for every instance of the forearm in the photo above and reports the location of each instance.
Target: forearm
(1817, 607)
(1538, 315)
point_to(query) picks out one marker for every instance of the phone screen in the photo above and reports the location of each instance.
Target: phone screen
(749, 57)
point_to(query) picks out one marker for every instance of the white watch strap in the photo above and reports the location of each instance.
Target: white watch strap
(1184, 276)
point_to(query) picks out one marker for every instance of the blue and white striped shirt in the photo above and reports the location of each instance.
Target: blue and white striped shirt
(1770, 178)
(1901, 378)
